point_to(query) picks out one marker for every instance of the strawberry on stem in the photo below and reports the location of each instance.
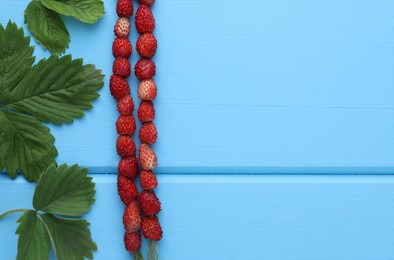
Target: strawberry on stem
(121, 67)
(124, 8)
(122, 27)
(144, 20)
(146, 111)
(125, 125)
(125, 146)
(127, 190)
(147, 90)
(128, 167)
(132, 217)
(119, 87)
(132, 241)
(147, 157)
(151, 228)
(149, 203)
(121, 47)
(125, 105)
(148, 133)
(146, 45)
(148, 180)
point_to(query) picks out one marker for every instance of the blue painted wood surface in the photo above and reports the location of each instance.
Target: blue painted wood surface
(248, 87)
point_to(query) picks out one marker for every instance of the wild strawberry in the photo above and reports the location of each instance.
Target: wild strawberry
(151, 228)
(147, 157)
(125, 146)
(132, 241)
(149, 203)
(144, 20)
(146, 111)
(148, 133)
(127, 190)
(121, 67)
(145, 69)
(132, 217)
(128, 167)
(119, 87)
(124, 8)
(146, 45)
(125, 125)
(146, 2)
(125, 105)
(122, 27)
(147, 90)
(148, 180)
(121, 47)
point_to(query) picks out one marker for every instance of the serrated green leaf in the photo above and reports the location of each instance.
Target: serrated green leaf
(71, 238)
(64, 190)
(30, 145)
(15, 57)
(47, 27)
(33, 241)
(88, 11)
(57, 90)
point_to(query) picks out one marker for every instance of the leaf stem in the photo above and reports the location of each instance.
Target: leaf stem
(13, 211)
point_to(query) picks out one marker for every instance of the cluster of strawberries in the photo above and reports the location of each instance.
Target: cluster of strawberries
(145, 69)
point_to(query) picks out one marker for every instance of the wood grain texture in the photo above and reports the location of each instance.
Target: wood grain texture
(243, 217)
(251, 87)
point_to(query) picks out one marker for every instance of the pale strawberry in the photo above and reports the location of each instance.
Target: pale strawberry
(122, 27)
(147, 90)
(147, 157)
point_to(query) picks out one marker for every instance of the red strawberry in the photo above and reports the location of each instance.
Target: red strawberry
(144, 20)
(146, 2)
(144, 69)
(126, 105)
(146, 111)
(148, 180)
(121, 67)
(151, 228)
(146, 45)
(148, 133)
(128, 167)
(147, 90)
(132, 217)
(122, 27)
(121, 47)
(132, 241)
(149, 203)
(147, 157)
(124, 8)
(127, 190)
(125, 146)
(119, 87)
(125, 125)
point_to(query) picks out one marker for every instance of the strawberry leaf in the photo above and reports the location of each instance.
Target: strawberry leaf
(56, 90)
(26, 145)
(71, 238)
(15, 57)
(33, 241)
(88, 11)
(47, 27)
(64, 190)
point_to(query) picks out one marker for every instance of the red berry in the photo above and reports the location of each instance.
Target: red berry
(146, 111)
(132, 241)
(121, 47)
(144, 69)
(146, 45)
(144, 20)
(146, 2)
(122, 27)
(132, 217)
(147, 90)
(128, 167)
(126, 105)
(148, 133)
(151, 228)
(119, 87)
(124, 8)
(125, 125)
(147, 157)
(121, 67)
(127, 190)
(148, 180)
(125, 146)
(149, 203)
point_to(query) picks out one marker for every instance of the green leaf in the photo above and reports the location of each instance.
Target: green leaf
(15, 57)
(33, 242)
(57, 90)
(47, 27)
(71, 239)
(88, 11)
(65, 191)
(28, 145)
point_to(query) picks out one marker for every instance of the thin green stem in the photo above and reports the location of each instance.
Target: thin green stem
(13, 211)
(137, 255)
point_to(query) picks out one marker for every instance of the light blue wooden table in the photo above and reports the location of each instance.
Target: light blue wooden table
(276, 130)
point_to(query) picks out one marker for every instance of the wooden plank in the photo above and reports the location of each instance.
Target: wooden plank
(243, 217)
(251, 86)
